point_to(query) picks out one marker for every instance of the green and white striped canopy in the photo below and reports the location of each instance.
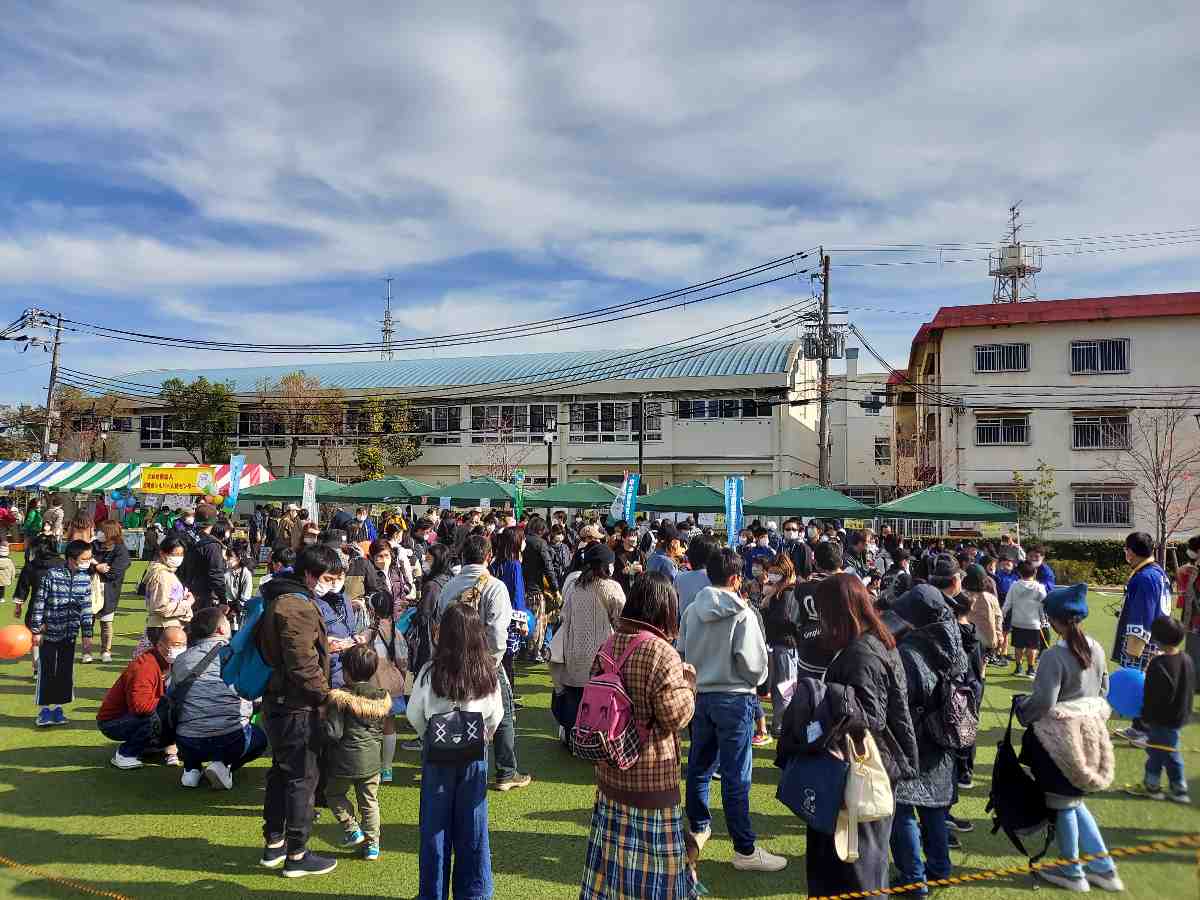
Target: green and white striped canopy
(83, 477)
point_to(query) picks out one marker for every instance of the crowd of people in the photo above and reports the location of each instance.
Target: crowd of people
(356, 624)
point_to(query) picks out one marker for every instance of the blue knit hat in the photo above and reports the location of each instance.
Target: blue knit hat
(1069, 602)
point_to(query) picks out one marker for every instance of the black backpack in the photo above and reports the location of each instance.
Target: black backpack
(1017, 804)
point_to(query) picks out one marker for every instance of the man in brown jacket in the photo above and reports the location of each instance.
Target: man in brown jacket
(288, 532)
(291, 638)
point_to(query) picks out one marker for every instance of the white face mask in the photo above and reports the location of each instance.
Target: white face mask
(791, 535)
(774, 578)
(756, 571)
(309, 540)
(189, 520)
(174, 653)
(3, 551)
(1192, 554)
(321, 588)
(362, 518)
(764, 542)
(824, 539)
(174, 562)
(84, 564)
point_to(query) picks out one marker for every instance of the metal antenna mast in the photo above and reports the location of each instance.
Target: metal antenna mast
(1015, 265)
(388, 330)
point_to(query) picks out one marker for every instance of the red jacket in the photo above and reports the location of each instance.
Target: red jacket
(138, 690)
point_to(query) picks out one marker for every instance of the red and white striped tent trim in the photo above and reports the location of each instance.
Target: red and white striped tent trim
(252, 474)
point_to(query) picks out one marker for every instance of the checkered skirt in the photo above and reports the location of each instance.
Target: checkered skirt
(636, 853)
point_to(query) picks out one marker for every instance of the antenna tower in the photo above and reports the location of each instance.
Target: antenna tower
(1015, 265)
(387, 330)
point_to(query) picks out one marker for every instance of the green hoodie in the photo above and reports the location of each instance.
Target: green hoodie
(354, 719)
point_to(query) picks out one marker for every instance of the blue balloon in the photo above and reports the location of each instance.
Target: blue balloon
(1126, 691)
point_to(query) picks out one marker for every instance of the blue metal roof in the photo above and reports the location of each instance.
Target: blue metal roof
(754, 358)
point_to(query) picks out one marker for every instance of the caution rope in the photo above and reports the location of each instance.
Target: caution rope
(65, 882)
(1142, 745)
(1188, 840)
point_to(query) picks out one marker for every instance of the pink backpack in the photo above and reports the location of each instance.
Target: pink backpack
(605, 730)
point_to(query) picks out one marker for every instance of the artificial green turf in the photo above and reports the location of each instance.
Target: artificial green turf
(64, 810)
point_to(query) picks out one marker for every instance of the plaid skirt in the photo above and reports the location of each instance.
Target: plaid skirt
(636, 854)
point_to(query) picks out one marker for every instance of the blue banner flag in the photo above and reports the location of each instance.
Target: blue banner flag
(625, 503)
(236, 465)
(733, 507)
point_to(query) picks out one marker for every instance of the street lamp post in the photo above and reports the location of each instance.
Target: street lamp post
(548, 439)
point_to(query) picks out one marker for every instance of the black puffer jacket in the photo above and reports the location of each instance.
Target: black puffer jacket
(932, 652)
(204, 572)
(537, 565)
(118, 563)
(877, 676)
(781, 619)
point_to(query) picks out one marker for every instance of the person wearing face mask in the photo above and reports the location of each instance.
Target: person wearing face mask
(213, 723)
(129, 711)
(591, 608)
(62, 608)
(630, 561)
(666, 556)
(168, 602)
(292, 639)
(203, 570)
(341, 624)
(781, 622)
(759, 555)
(111, 562)
(8, 571)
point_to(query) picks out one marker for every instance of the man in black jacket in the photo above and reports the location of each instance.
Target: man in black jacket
(204, 564)
(537, 564)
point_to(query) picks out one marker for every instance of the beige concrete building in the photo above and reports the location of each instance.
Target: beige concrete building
(1085, 385)
(707, 415)
(860, 434)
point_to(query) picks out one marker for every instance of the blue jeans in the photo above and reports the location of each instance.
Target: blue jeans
(721, 731)
(454, 829)
(1077, 832)
(909, 836)
(1157, 760)
(235, 749)
(136, 733)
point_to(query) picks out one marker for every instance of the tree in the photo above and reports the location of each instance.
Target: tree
(1035, 501)
(83, 424)
(303, 413)
(385, 427)
(503, 456)
(21, 431)
(204, 415)
(1161, 456)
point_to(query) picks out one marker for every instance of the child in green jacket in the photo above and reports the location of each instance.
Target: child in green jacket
(354, 730)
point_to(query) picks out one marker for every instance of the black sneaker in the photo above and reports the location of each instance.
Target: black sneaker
(966, 782)
(952, 842)
(308, 864)
(963, 825)
(273, 857)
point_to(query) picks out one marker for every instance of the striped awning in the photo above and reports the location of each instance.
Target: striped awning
(68, 476)
(99, 476)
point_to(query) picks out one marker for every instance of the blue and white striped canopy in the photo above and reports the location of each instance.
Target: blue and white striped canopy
(69, 476)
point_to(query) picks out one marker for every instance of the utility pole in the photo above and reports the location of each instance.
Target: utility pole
(50, 388)
(823, 363)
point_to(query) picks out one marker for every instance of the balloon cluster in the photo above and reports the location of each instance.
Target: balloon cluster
(122, 499)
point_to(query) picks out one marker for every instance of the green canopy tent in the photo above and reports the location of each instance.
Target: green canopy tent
(690, 496)
(382, 490)
(587, 493)
(289, 489)
(942, 503)
(470, 493)
(810, 500)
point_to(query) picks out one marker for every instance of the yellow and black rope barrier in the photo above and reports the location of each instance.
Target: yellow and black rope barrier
(64, 882)
(1187, 840)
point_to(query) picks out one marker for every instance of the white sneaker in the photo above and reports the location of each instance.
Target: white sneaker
(758, 861)
(190, 778)
(125, 762)
(218, 775)
(1078, 885)
(1109, 881)
(106, 657)
(701, 838)
(87, 657)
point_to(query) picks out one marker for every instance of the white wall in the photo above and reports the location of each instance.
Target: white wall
(853, 430)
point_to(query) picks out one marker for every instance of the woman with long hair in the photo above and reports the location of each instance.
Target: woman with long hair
(637, 846)
(508, 546)
(1072, 672)
(782, 618)
(111, 562)
(865, 659)
(453, 818)
(386, 641)
(591, 608)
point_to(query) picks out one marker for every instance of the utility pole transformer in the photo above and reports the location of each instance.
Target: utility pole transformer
(46, 454)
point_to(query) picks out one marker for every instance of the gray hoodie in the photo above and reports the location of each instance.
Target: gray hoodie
(495, 607)
(721, 637)
(211, 708)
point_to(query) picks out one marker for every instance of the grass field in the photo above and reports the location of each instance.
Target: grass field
(65, 811)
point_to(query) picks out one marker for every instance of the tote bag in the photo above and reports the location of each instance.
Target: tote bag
(868, 796)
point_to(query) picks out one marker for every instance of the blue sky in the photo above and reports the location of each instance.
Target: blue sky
(254, 173)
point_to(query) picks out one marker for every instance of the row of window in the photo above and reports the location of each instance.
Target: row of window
(1097, 507)
(1089, 357)
(724, 408)
(1088, 432)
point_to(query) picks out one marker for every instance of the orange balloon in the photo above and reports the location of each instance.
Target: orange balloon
(15, 641)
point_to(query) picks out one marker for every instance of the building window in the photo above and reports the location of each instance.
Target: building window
(1006, 497)
(1100, 432)
(259, 429)
(123, 424)
(994, 431)
(1102, 357)
(724, 408)
(437, 424)
(515, 423)
(872, 404)
(613, 422)
(883, 451)
(155, 433)
(867, 495)
(1002, 358)
(1103, 507)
